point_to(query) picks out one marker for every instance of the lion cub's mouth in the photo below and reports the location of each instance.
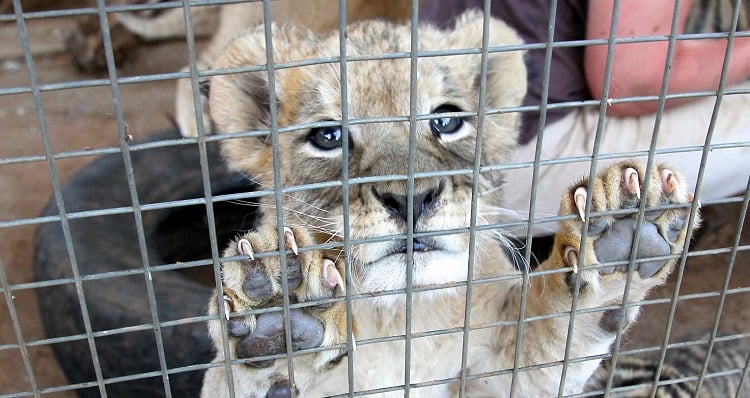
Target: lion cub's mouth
(424, 250)
(418, 245)
(433, 263)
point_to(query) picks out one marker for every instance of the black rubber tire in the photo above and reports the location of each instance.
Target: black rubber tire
(109, 243)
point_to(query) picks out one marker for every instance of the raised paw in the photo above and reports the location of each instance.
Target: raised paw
(616, 196)
(255, 282)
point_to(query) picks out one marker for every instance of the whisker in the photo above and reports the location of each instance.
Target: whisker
(288, 195)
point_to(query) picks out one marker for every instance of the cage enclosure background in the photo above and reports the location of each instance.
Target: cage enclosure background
(108, 244)
(67, 138)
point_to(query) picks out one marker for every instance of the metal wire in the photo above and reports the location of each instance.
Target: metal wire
(207, 194)
(347, 234)
(534, 181)
(481, 117)
(701, 171)
(278, 184)
(590, 187)
(137, 213)
(147, 270)
(642, 207)
(57, 189)
(724, 288)
(410, 216)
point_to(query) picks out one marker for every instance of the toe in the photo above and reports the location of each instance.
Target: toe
(331, 277)
(245, 248)
(290, 240)
(579, 197)
(307, 331)
(669, 181)
(632, 183)
(570, 256)
(267, 339)
(629, 194)
(258, 285)
(280, 389)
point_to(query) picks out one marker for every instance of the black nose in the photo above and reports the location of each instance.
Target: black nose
(398, 204)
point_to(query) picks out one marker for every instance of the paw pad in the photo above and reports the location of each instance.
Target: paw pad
(621, 187)
(255, 282)
(269, 336)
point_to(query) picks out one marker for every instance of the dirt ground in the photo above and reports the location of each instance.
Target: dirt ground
(77, 119)
(83, 118)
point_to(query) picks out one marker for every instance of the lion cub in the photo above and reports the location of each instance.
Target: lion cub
(403, 320)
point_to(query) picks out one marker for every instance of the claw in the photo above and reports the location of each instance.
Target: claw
(331, 276)
(699, 202)
(632, 183)
(669, 181)
(571, 257)
(579, 196)
(227, 306)
(244, 247)
(290, 241)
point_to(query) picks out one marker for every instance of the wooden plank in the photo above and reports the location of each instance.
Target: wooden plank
(46, 36)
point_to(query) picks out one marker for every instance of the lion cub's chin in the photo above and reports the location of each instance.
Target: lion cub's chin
(438, 267)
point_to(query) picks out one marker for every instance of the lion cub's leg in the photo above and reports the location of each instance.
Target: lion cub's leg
(602, 272)
(255, 283)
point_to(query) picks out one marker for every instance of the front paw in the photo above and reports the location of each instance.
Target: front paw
(254, 282)
(610, 236)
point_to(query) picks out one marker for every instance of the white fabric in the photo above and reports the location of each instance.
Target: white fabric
(684, 126)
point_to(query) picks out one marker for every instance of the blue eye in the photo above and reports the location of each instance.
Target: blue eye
(325, 138)
(446, 125)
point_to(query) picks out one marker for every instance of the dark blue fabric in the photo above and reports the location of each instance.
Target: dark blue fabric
(531, 18)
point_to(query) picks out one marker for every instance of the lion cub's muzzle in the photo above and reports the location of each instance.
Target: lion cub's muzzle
(424, 202)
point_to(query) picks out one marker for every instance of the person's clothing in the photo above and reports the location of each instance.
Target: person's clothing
(530, 19)
(681, 136)
(571, 133)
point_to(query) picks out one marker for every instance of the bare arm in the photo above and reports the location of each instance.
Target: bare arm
(638, 67)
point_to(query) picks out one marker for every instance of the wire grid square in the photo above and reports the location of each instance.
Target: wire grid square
(53, 154)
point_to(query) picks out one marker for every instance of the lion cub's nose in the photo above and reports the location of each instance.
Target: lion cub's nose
(398, 204)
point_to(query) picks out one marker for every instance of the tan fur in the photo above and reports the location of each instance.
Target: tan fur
(316, 15)
(308, 94)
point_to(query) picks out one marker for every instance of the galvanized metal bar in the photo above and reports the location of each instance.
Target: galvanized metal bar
(639, 221)
(57, 192)
(698, 188)
(347, 181)
(410, 216)
(133, 190)
(724, 288)
(481, 112)
(278, 185)
(534, 183)
(731, 261)
(347, 244)
(15, 320)
(592, 172)
(743, 377)
(208, 197)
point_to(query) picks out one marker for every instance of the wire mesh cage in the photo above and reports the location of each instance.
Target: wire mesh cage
(124, 256)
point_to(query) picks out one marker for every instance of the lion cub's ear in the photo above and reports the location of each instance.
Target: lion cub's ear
(239, 101)
(506, 69)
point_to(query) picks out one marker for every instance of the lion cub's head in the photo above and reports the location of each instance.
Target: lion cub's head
(309, 105)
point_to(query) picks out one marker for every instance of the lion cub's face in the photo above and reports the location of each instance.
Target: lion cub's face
(379, 91)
